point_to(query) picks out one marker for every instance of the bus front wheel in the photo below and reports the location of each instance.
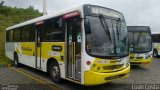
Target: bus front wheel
(155, 53)
(16, 63)
(54, 72)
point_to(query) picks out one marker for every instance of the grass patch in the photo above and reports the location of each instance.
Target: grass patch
(3, 59)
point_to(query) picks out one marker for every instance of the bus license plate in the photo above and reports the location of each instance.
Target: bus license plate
(103, 61)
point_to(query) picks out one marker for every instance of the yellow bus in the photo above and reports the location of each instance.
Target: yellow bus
(140, 45)
(156, 44)
(86, 44)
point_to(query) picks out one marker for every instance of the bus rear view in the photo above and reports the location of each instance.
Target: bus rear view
(140, 45)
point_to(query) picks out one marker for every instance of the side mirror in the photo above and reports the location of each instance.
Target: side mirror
(87, 26)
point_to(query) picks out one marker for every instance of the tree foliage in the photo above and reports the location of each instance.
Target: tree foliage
(1, 3)
(11, 16)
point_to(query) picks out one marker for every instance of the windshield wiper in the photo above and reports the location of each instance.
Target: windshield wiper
(117, 28)
(105, 26)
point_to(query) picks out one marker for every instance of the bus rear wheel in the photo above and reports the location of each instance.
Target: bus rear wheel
(155, 53)
(54, 72)
(16, 62)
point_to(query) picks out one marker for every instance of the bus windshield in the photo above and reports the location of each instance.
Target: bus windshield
(140, 41)
(121, 39)
(107, 38)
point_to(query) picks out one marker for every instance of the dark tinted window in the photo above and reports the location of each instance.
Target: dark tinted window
(53, 30)
(17, 35)
(9, 36)
(156, 38)
(28, 33)
(130, 37)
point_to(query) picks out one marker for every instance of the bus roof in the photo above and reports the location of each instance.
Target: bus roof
(138, 29)
(57, 13)
(41, 18)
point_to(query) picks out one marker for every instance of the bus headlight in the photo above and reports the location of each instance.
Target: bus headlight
(127, 61)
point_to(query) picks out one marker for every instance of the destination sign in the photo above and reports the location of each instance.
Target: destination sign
(97, 10)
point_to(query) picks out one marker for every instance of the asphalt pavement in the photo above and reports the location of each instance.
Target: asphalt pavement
(28, 78)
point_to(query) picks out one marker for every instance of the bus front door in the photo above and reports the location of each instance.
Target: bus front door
(74, 49)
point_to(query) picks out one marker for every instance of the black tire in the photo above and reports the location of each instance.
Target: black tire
(54, 72)
(16, 62)
(155, 53)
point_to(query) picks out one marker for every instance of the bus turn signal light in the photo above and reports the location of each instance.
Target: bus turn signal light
(88, 62)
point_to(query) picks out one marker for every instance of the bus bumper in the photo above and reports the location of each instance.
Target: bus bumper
(141, 61)
(95, 78)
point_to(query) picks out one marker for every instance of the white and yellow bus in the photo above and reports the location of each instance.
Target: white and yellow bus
(156, 44)
(86, 44)
(140, 45)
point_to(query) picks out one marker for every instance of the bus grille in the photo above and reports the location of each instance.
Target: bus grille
(114, 77)
(131, 57)
(113, 67)
(136, 58)
(139, 58)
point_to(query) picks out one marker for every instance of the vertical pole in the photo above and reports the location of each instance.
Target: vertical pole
(44, 7)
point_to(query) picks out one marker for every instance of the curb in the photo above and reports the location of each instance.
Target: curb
(6, 65)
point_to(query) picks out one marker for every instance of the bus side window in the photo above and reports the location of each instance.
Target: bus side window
(54, 30)
(17, 35)
(28, 33)
(11, 36)
(7, 36)
(155, 38)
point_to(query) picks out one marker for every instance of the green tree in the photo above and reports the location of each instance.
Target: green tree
(1, 3)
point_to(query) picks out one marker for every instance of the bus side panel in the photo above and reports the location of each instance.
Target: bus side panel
(9, 49)
(26, 53)
(157, 47)
(52, 50)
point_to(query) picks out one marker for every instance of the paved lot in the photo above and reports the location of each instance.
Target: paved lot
(34, 79)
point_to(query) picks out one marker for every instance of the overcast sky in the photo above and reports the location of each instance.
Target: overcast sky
(137, 12)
